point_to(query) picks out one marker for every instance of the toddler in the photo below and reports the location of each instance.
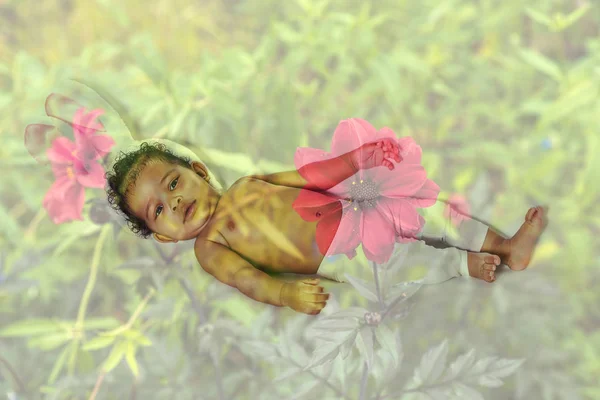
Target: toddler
(252, 227)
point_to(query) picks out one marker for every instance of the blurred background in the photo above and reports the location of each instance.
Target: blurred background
(502, 96)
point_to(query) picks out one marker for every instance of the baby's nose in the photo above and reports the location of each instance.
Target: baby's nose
(177, 203)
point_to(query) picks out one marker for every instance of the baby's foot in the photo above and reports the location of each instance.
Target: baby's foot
(483, 265)
(522, 244)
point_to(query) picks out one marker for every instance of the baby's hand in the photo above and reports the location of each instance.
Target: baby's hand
(304, 296)
(375, 154)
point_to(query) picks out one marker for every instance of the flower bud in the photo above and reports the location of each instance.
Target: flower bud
(99, 213)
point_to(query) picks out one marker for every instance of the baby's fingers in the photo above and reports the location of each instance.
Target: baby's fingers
(315, 297)
(315, 309)
(390, 148)
(313, 281)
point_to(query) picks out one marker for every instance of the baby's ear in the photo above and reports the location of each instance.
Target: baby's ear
(200, 169)
(163, 239)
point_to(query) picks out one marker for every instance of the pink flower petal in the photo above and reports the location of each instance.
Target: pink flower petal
(351, 254)
(102, 144)
(426, 196)
(93, 178)
(377, 234)
(410, 151)
(405, 182)
(59, 170)
(403, 216)
(326, 230)
(61, 186)
(350, 134)
(347, 236)
(386, 132)
(61, 151)
(86, 123)
(309, 155)
(308, 203)
(75, 198)
(64, 201)
(457, 209)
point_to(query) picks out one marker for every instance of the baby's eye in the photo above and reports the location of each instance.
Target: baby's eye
(172, 186)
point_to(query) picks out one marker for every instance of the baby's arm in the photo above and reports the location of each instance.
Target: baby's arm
(230, 268)
(323, 175)
(317, 176)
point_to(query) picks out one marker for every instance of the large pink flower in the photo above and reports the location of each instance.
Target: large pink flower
(378, 205)
(74, 164)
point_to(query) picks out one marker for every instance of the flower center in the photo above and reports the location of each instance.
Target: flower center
(70, 173)
(365, 193)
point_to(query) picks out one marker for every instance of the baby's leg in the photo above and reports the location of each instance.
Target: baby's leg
(472, 235)
(444, 264)
(474, 246)
(444, 230)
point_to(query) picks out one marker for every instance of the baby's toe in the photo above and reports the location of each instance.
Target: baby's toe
(530, 212)
(489, 272)
(492, 259)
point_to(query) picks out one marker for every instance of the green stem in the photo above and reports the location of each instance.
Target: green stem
(93, 273)
(78, 328)
(86, 297)
(92, 279)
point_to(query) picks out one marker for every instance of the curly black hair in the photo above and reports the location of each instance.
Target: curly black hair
(124, 174)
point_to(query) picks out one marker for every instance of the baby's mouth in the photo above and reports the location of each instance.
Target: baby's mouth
(189, 210)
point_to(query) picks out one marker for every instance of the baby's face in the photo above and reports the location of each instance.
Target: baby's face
(175, 201)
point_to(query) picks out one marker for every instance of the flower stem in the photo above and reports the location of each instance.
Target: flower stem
(14, 374)
(92, 279)
(363, 382)
(377, 284)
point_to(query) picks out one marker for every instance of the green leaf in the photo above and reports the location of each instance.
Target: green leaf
(136, 336)
(236, 161)
(237, 308)
(130, 358)
(49, 342)
(286, 33)
(143, 341)
(99, 342)
(31, 327)
(539, 17)
(463, 179)
(542, 63)
(101, 323)
(364, 343)
(386, 338)
(114, 358)
(575, 15)
(179, 119)
(152, 112)
(578, 96)
(10, 228)
(58, 365)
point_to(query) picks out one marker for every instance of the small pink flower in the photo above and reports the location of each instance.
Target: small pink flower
(378, 205)
(90, 146)
(64, 200)
(74, 164)
(457, 209)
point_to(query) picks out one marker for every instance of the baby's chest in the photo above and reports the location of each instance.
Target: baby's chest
(263, 227)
